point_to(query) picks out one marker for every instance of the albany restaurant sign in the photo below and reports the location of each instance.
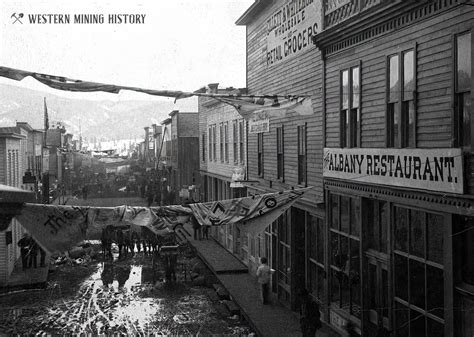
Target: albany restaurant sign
(430, 169)
(290, 29)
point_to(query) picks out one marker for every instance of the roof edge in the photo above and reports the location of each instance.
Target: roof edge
(250, 13)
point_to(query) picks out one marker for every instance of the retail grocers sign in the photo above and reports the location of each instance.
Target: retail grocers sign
(431, 169)
(290, 28)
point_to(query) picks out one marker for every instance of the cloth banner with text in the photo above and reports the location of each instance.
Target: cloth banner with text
(58, 228)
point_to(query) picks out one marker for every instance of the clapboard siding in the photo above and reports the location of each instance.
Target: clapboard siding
(3, 260)
(3, 162)
(301, 75)
(433, 40)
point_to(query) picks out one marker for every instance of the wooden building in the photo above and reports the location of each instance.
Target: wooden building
(223, 156)
(398, 166)
(281, 59)
(13, 150)
(383, 241)
(180, 153)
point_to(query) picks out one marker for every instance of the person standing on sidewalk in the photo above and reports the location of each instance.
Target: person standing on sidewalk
(25, 247)
(310, 320)
(263, 277)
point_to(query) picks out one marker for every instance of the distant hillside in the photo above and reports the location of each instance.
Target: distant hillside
(101, 119)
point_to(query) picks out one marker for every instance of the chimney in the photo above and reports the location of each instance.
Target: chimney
(212, 88)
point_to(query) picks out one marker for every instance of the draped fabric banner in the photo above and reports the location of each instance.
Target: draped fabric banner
(277, 105)
(58, 228)
(244, 104)
(251, 214)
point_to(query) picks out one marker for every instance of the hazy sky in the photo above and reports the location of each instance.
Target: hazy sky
(182, 45)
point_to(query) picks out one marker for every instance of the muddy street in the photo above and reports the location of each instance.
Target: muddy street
(126, 295)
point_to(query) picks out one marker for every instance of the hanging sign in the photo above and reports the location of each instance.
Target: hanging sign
(259, 122)
(290, 29)
(238, 175)
(257, 126)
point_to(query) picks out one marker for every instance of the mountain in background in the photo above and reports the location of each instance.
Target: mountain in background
(105, 120)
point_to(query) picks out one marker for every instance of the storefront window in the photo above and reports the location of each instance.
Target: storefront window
(344, 254)
(434, 237)
(335, 211)
(377, 229)
(417, 234)
(315, 261)
(284, 263)
(355, 211)
(401, 229)
(419, 273)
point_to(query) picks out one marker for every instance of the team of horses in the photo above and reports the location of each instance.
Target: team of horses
(129, 241)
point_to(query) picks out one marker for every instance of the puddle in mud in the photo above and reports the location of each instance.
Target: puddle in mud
(124, 296)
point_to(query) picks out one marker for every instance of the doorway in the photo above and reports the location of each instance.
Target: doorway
(377, 293)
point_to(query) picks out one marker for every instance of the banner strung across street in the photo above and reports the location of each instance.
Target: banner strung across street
(244, 104)
(57, 228)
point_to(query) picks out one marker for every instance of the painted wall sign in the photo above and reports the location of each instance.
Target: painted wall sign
(431, 169)
(259, 125)
(290, 28)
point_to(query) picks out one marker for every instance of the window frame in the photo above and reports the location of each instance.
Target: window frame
(302, 154)
(395, 109)
(241, 141)
(226, 142)
(203, 145)
(350, 126)
(313, 234)
(260, 155)
(210, 143)
(214, 142)
(334, 269)
(280, 152)
(411, 257)
(235, 140)
(457, 130)
(221, 142)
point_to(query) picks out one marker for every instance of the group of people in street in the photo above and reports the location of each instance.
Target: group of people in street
(29, 250)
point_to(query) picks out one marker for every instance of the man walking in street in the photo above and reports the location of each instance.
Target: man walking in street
(263, 278)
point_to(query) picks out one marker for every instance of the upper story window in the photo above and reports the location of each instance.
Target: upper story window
(235, 140)
(302, 164)
(203, 146)
(350, 107)
(214, 143)
(401, 114)
(226, 142)
(211, 139)
(463, 85)
(280, 155)
(241, 141)
(221, 141)
(260, 154)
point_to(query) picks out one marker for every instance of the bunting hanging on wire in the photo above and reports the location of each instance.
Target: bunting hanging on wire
(58, 228)
(244, 104)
